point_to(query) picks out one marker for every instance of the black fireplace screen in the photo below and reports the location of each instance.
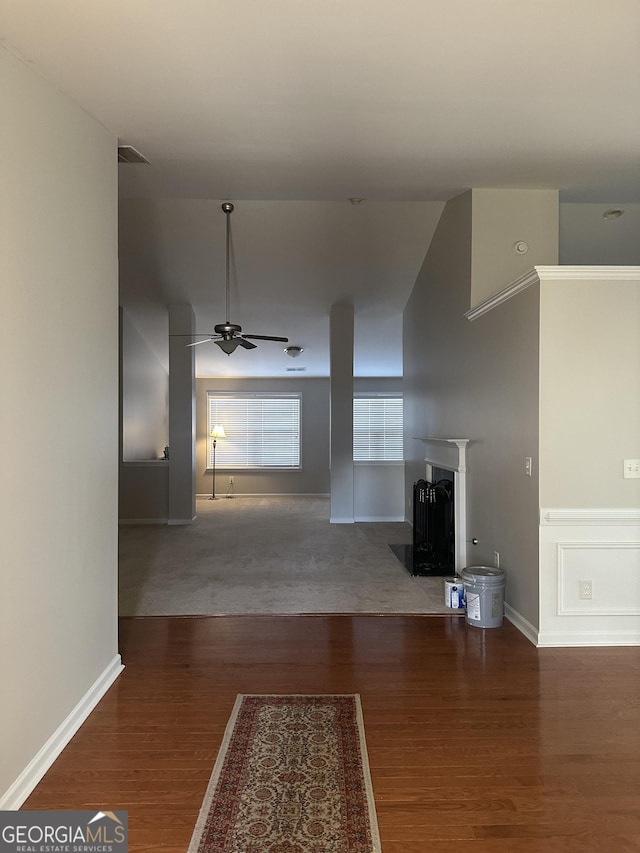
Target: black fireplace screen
(433, 526)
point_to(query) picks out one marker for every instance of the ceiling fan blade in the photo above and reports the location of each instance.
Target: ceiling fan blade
(195, 343)
(245, 344)
(266, 338)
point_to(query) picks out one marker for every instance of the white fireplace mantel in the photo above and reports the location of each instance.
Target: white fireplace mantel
(447, 457)
(451, 454)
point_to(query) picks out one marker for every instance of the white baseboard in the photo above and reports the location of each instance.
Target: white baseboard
(18, 792)
(375, 518)
(125, 522)
(568, 639)
(176, 521)
(340, 520)
(523, 625)
(269, 495)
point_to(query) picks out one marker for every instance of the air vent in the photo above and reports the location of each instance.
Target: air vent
(129, 154)
(296, 369)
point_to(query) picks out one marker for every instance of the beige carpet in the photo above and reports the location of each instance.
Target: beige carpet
(275, 555)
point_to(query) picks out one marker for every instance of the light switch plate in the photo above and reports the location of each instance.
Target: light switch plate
(631, 468)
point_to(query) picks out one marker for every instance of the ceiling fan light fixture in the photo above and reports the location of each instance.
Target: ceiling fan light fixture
(228, 346)
(294, 351)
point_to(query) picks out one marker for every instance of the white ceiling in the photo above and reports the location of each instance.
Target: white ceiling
(317, 101)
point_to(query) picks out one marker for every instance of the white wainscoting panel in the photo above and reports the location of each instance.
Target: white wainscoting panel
(597, 545)
(613, 568)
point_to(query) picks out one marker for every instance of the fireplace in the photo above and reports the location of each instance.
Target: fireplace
(439, 512)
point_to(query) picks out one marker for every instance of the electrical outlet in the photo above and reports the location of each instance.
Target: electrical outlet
(586, 590)
(231, 481)
(528, 467)
(631, 468)
(496, 559)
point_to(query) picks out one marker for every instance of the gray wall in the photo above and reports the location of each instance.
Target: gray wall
(378, 488)
(314, 476)
(479, 381)
(589, 392)
(59, 422)
(145, 397)
(500, 219)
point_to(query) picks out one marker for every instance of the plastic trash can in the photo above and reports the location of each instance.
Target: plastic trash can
(484, 596)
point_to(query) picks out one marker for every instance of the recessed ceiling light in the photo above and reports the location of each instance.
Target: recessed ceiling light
(613, 213)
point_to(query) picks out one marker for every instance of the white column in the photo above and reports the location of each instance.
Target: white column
(182, 417)
(341, 414)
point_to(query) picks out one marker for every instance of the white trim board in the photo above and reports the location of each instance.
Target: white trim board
(378, 518)
(560, 639)
(523, 625)
(583, 516)
(124, 522)
(18, 792)
(553, 273)
(267, 495)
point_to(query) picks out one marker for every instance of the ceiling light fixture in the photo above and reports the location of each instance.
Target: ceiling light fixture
(228, 336)
(294, 351)
(613, 213)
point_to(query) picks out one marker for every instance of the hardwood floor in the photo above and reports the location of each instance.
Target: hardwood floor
(477, 741)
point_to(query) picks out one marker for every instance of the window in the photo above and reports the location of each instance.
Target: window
(377, 429)
(261, 431)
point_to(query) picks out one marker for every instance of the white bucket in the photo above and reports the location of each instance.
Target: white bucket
(454, 593)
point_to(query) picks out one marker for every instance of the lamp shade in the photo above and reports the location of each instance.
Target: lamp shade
(218, 431)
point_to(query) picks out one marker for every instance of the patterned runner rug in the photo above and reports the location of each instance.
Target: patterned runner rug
(292, 776)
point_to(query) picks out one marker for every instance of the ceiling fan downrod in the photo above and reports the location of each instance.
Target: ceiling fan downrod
(227, 209)
(230, 334)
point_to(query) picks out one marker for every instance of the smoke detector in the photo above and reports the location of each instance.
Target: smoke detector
(293, 352)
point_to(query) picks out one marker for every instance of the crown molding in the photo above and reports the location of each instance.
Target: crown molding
(501, 296)
(588, 273)
(554, 273)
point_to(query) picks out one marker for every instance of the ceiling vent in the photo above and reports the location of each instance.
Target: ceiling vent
(129, 154)
(296, 369)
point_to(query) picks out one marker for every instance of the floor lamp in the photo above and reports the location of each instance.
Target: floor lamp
(216, 433)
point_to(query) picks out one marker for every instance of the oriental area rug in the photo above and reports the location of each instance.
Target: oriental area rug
(292, 776)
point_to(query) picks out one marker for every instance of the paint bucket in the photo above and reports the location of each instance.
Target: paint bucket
(484, 596)
(454, 593)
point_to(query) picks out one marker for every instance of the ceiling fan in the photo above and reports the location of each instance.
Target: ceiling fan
(228, 336)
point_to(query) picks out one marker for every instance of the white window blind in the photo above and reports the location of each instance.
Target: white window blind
(377, 429)
(261, 432)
